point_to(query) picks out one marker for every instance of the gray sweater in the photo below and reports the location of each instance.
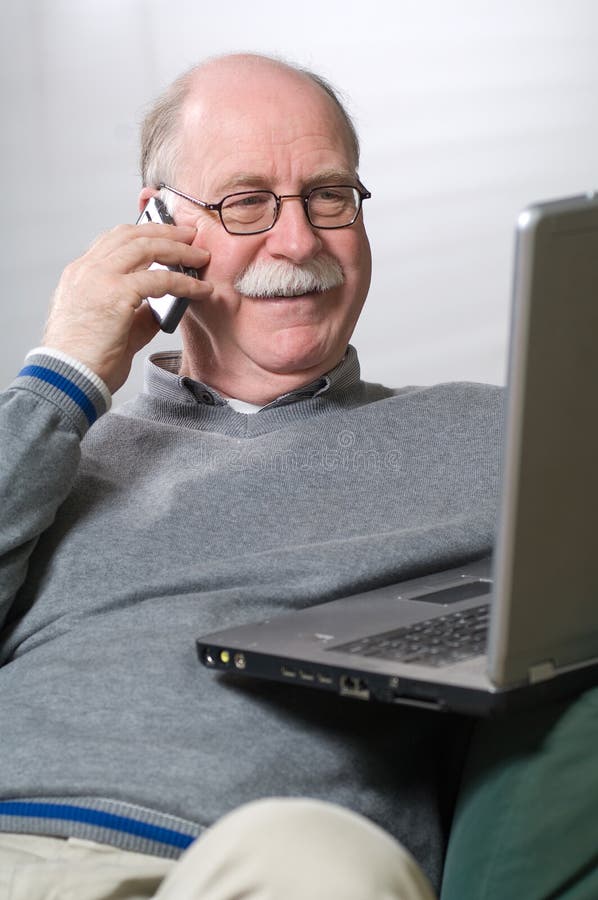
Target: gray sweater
(176, 515)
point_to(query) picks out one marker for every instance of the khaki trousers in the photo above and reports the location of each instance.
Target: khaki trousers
(278, 849)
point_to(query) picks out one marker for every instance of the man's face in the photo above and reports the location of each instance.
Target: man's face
(282, 134)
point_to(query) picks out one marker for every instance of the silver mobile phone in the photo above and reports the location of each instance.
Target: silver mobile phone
(168, 310)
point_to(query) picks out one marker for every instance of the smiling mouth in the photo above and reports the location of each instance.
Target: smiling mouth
(285, 295)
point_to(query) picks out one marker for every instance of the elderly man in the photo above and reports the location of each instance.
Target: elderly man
(257, 472)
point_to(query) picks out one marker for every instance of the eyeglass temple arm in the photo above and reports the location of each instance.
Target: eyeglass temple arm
(201, 203)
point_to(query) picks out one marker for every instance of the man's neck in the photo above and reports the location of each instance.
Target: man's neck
(249, 383)
(254, 391)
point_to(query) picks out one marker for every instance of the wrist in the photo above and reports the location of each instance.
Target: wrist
(79, 366)
(68, 384)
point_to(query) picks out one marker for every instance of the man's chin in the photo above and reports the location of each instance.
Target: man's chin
(295, 352)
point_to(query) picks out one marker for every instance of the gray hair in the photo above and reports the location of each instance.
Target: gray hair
(160, 133)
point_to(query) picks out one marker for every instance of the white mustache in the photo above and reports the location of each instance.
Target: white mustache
(280, 278)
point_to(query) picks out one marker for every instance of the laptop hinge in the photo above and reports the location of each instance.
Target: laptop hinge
(541, 671)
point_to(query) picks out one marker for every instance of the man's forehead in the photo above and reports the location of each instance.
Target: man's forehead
(221, 166)
(279, 114)
(230, 110)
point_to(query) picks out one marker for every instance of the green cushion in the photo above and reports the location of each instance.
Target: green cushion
(526, 822)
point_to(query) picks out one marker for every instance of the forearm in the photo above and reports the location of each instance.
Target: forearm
(44, 415)
(97, 322)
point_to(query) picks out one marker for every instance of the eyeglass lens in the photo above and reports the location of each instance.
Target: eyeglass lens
(327, 207)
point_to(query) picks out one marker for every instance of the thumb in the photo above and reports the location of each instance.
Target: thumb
(144, 328)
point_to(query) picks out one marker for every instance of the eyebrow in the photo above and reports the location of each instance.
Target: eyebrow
(252, 181)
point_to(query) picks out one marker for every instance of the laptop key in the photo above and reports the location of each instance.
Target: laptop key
(440, 641)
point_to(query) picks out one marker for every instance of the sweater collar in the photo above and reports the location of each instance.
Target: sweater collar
(161, 379)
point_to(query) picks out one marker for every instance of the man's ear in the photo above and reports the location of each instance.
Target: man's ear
(144, 196)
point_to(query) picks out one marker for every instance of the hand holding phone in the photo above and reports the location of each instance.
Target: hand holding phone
(168, 310)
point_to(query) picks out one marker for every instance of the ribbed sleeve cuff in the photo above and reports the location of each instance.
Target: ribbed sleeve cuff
(123, 825)
(69, 384)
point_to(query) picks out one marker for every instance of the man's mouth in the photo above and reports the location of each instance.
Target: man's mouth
(284, 294)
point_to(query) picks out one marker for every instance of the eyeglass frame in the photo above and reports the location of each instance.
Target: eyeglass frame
(362, 193)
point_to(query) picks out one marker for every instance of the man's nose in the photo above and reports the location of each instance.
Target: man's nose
(293, 237)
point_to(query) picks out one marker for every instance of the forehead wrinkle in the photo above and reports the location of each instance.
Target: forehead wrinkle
(249, 181)
(308, 159)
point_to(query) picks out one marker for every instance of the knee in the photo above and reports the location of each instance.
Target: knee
(297, 848)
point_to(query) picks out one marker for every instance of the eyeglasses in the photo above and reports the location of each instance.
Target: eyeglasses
(251, 212)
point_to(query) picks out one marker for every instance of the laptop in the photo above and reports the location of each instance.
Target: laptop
(521, 627)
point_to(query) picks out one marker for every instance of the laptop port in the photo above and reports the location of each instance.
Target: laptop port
(354, 687)
(323, 679)
(305, 675)
(209, 657)
(287, 672)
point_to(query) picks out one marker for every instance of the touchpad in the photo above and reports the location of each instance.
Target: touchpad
(453, 594)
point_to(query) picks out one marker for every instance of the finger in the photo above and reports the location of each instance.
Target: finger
(144, 328)
(109, 242)
(159, 282)
(142, 252)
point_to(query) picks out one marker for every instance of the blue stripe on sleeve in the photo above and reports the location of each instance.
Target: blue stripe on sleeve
(95, 817)
(67, 386)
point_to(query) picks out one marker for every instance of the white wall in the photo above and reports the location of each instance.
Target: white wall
(467, 111)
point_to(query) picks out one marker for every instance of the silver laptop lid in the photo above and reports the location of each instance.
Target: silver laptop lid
(545, 612)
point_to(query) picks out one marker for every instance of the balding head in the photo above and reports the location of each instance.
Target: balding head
(209, 84)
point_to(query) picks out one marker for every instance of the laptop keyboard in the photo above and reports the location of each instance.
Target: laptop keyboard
(435, 642)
